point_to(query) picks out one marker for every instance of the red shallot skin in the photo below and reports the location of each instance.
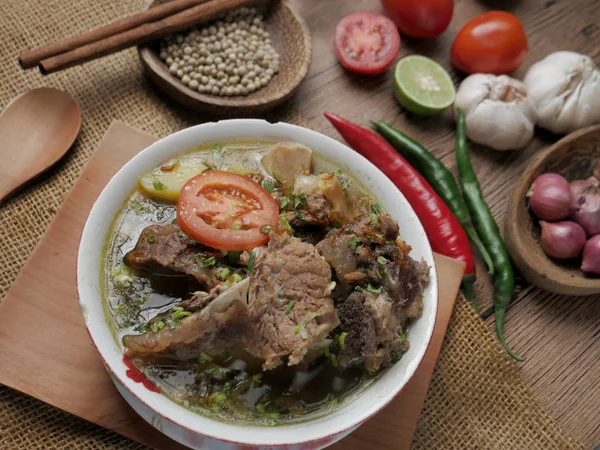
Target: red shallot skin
(562, 240)
(586, 194)
(591, 256)
(550, 197)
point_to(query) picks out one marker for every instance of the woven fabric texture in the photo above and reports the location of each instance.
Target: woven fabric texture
(476, 399)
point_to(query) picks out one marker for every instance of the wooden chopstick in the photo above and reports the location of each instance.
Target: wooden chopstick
(31, 58)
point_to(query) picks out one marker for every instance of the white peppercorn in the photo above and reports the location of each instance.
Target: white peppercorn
(232, 55)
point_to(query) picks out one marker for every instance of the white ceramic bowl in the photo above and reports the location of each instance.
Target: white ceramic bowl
(194, 430)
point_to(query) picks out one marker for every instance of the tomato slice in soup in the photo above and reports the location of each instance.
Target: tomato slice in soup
(226, 211)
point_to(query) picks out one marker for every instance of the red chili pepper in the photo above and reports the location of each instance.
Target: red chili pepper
(445, 233)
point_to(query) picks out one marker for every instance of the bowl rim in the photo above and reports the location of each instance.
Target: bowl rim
(319, 428)
(175, 87)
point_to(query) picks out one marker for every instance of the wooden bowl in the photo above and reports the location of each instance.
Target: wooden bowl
(291, 39)
(575, 157)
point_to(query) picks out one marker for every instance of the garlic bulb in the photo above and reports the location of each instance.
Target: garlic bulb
(565, 87)
(498, 111)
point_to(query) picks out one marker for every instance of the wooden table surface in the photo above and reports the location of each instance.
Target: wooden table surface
(559, 336)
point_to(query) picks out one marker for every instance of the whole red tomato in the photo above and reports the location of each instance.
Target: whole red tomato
(494, 42)
(420, 18)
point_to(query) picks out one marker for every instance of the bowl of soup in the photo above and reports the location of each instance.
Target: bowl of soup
(256, 285)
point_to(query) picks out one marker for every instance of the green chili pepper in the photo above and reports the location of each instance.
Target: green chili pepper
(440, 178)
(504, 283)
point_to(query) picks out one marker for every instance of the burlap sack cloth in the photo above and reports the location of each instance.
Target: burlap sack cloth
(476, 399)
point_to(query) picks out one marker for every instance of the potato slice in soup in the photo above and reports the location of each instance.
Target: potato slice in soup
(164, 182)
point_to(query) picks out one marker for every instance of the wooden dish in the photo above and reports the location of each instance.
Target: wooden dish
(575, 157)
(291, 39)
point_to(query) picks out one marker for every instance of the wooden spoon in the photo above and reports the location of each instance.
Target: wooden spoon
(36, 130)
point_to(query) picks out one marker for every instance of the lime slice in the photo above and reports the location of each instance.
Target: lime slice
(423, 86)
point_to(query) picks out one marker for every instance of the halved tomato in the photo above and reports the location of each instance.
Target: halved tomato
(366, 42)
(226, 211)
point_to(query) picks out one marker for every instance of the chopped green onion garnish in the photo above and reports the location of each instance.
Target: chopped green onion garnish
(334, 360)
(141, 329)
(374, 219)
(276, 177)
(261, 408)
(301, 327)
(237, 278)
(289, 307)
(157, 326)
(382, 260)
(158, 185)
(151, 239)
(268, 185)
(283, 203)
(224, 274)
(295, 200)
(233, 257)
(218, 398)
(206, 356)
(257, 379)
(181, 234)
(285, 223)
(373, 289)
(138, 208)
(403, 337)
(358, 289)
(342, 340)
(217, 150)
(178, 314)
(266, 229)
(300, 216)
(375, 208)
(206, 261)
(251, 260)
(353, 242)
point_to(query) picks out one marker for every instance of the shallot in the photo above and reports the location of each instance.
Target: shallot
(562, 240)
(550, 197)
(587, 196)
(591, 256)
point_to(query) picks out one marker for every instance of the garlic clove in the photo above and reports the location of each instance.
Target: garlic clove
(498, 112)
(565, 88)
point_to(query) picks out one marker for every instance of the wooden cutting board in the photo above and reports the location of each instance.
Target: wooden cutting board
(46, 352)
